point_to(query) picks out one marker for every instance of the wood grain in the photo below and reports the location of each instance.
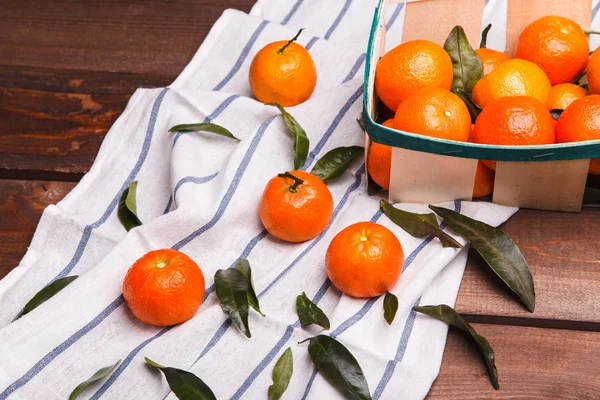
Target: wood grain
(21, 206)
(532, 363)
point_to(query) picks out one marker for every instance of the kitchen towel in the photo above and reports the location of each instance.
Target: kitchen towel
(198, 193)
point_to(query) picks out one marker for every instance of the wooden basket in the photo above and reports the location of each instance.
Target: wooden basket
(431, 170)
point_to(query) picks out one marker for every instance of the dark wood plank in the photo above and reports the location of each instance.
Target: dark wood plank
(532, 363)
(21, 206)
(564, 255)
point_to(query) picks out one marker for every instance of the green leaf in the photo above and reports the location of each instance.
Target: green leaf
(127, 211)
(231, 287)
(333, 164)
(204, 127)
(497, 249)
(101, 373)
(309, 313)
(282, 373)
(301, 143)
(474, 111)
(448, 315)
(467, 65)
(243, 266)
(339, 366)
(390, 307)
(556, 113)
(418, 225)
(46, 294)
(372, 187)
(184, 384)
(484, 36)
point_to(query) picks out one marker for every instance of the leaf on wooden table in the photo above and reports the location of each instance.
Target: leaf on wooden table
(184, 384)
(127, 211)
(282, 373)
(231, 287)
(467, 65)
(243, 266)
(335, 162)
(309, 313)
(301, 143)
(204, 127)
(418, 225)
(448, 315)
(101, 373)
(46, 294)
(390, 307)
(339, 366)
(497, 249)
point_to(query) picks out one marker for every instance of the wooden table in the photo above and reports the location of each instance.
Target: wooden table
(67, 70)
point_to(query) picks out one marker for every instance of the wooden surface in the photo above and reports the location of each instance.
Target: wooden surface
(67, 70)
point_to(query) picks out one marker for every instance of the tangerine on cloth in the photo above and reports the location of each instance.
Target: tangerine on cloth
(199, 193)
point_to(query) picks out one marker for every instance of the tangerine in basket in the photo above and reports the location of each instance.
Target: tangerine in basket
(296, 206)
(434, 112)
(283, 72)
(409, 67)
(557, 45)
(164, 287)
(380, 160)
(581, 122)
(593, 72)
(364, 260)
(512, 78)
(484, 181)
(563, 94)
(491, 59)
(514, 121)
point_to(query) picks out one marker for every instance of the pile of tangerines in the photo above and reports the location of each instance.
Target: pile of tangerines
(515, 95)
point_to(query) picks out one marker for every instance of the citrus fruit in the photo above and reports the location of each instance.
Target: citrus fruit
(380, 160)
(581, 122)
(434, 112)
(364, 260)
(491, 59)
(593, 72)
(411, 66)
(164, 287)
(512, 78)
(295, 206)
(563, 94)
(484, 181)
(558, 45)
(514, 121)
(283, 72)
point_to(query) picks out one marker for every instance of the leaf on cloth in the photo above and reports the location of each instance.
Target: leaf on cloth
(231, 287)
(333, 164)
(282, 373)
(243, 266)
(301, 143)
(101, 373)
(204, 127)
(184, 384)
(46, 294)
(339, 366)
(309, 313)
(497, 249)
(390, 307)
(127, 211)
(448, 315)
(467, 65)
(418, 225)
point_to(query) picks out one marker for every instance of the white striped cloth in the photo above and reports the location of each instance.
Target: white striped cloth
(199, 193)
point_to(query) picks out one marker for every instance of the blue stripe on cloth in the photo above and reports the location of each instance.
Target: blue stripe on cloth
(339, 18)
(394, 16)
(290, 14)
(194, 179)
(243, 56)
(595, 11)
(311, 43)
(48, 358)
(359, 62)
(404, 337)
(232, 187)
(126, 362)
(87, 231)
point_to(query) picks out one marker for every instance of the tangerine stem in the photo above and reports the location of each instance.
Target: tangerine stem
(280, 51)
(484, 36)
(297, 181)
(592, 32)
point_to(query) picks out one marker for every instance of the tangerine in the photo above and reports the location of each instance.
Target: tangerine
(380, 160)
(491, 59)
(484, 181)
(593, 72)
(563, 94)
